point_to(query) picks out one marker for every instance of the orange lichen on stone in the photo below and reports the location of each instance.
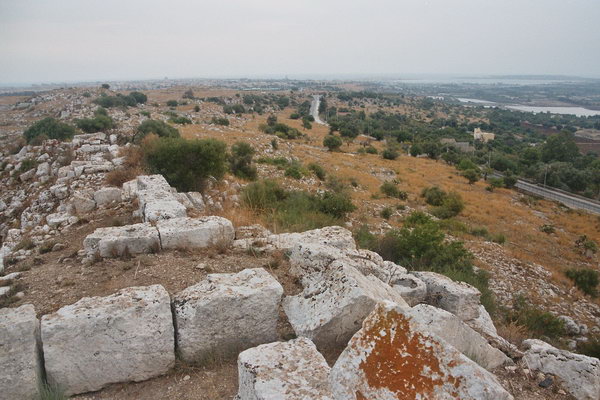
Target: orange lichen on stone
(401, 361)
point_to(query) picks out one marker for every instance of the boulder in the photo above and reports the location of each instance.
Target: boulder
(194, 233)
(332, 307)
(83, 204)
(157, 210)
(197, 200)
(334, 236)
(411, 288)
(571, 327)
(483, 323)
(153, 182)
(19, 353)
(395, 357)
(292, 370)
(57, 219)
(129, 189)
(128, 336)
(108, 195)
(226, 313)
(580, 374)
(118, 241)
(454, 331)
(459, 298)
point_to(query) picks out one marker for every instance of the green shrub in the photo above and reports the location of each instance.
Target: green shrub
(274, 144)
(546, 228)
(295, 171)
(234, 109)
(156, 127)
(590, 348)
(538, 322)
(280, 162)
(391, 190)
(186, 164)
(433, 195)
(100, 122)
(49, 128)
(497, 238)
(240, 161)
(172, 103)
(145, 113)
(332, 142)
(585, 279)
(386, 213)
(121, 100)
(317, 170)
(472, 175)
(452, 205)
(179, 119)
(371, 150)
(364, 238)
(219, 121)
(496, 182)
(27, 164)
(296, 210)
(389, 154)
(466, 164)
(140, 98)
(196, 108)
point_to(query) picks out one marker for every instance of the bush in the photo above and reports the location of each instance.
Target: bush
(219, 121)
(295, 210)
(49, 128)
(140, 98)
(539, 323)
(280, 162)
(471, 175)
(546, 228)
(295, 171)
(27, 164)
(386, 213)
(389, 154)
(434, 196)
(100, 122)
(240, 161)
(121, 100)
(585, 279)
(332, 142)
(274, 144)
(391, 190)
(234, 109)
(179, 119)
(159, 128)
(172, 103)
(186, 164)
(590, 348)
(452, 205)
(196, 108)
(317, 170)
(371, 150)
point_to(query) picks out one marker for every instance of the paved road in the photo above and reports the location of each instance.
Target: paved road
(314, 109)
(567, 199)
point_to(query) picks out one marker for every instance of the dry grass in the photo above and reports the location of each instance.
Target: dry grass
(513, 332)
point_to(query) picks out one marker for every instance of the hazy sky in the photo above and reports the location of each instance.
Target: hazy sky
(75, 40)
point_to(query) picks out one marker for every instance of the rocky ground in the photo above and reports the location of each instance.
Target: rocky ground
(48, 211)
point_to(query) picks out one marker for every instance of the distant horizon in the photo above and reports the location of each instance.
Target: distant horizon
(314, 76)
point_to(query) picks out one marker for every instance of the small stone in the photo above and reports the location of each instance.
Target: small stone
(186, 378)
(546, 383)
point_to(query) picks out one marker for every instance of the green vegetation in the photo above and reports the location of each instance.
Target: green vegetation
(180, 119)
(390, 189)
(445, 205)
(272, 127)
(186, 164)
(101, 122)
(585, 279)
(386, 213)
(293, 210)
(317, 170)
(219, 121)
(172, 103)
(48, 128)
(240, 161)
(27, 164)
(539, 323)
(156, 127)
(420, 246)
(121, 100)
(234, 109)
(295, 170)
(332, 142)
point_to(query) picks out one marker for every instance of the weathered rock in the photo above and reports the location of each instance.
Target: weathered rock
(19, 353)
(156, 210)
(580, 374)
(197, 200)
(193, 233)
(331, 308)
(83, 204)
(334, 236)
(153, 182)
(454, 331)
(459, 298)
(122, 240)
(571, 327)
(226, 313)
(251, 232)
(57, 219)
(129, 189)
(411, 288)
(292, 370)
(107, 195)
(483, 323)
(97, 341)
(394, 357)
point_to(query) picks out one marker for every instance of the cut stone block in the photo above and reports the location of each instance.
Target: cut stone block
(292, 370)
(459, 298)
(394, 357)
(226, 313)
(411, 288)
(454, 331)
(194, 233)
(107, 196)
(19, 353)
(120, 240)
(128, 336)
(331, 309)
(580, 374)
